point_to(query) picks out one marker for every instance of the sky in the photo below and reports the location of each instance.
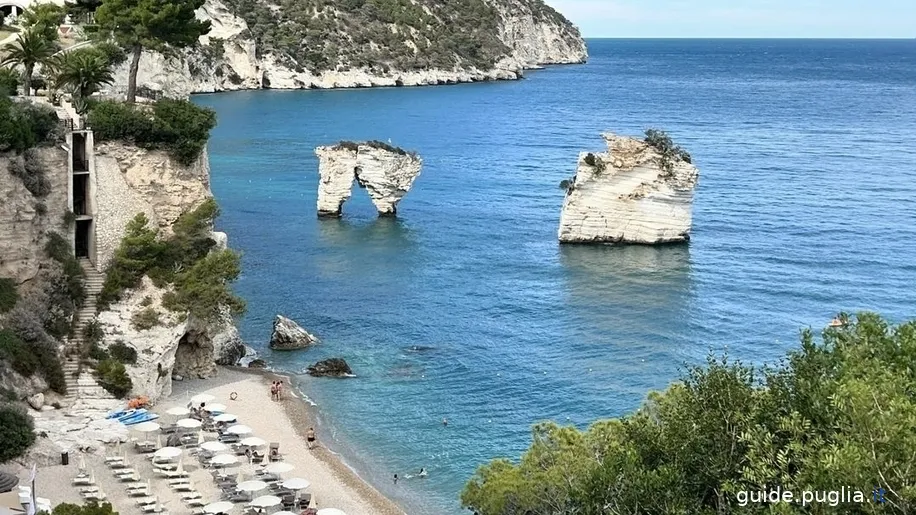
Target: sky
(741, 18)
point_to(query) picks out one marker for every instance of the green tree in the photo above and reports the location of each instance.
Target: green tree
(9, 81)
(44, 18)
(83, 72)
(839, 412)
(159, 25)
(91, 508)
(29, 50)
(17, 432)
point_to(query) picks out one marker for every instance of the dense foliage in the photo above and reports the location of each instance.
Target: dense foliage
(670, 153)
(90, 508)
(82, 72)
(177, 126)
(32, 48)
(112, 376)
(145, 319)
(9, 81)
(8, 294)
(836, 413)
(17, 432)
(58, 249)
(31, 359)
(200, 275)
(24, 125)
(380, 34)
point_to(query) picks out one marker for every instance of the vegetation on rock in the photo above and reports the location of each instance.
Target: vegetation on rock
(28, 359)
(112, 376)
(8, 294)
(836, 412)
(24, 125)
(145, 319)
(29, 170)
(177, 126)
(9, 81)
(58, 249)
(17, 432)
(669, 152)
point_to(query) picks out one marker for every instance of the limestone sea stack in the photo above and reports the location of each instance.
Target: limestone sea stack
(385, 171)
(638, 191)
(288, 335)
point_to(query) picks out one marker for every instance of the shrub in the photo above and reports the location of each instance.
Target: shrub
(98, 353)
(147, 301)
(669, 152)
(17, 432)
(8, 294)
(138, 250)
(112, 376)
(24, 125)
(91, 508)
(9, 81)
(123, 353)
(41, 209)
(28, 359)
(204, 289)
(92, 333)
(145, 319)
(31, 172)
(177, 126)
(58, 249)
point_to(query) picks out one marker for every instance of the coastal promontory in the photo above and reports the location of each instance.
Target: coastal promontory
(385, 171)
(638, 191)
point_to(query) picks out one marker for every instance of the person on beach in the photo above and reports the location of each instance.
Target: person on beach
(273, 391)
(279, 389)
(310, 437)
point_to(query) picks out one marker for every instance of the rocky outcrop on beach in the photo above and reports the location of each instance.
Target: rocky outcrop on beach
(386, 172)
(334, 367)
(629, 194)
(243, 50)
(288, 335)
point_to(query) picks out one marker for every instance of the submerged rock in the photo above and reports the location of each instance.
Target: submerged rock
(288, 335)
(629, 194)
(334, 367)
(386, 172)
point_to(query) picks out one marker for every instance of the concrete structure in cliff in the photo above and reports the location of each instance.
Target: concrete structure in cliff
(386, 172)
(629, 194)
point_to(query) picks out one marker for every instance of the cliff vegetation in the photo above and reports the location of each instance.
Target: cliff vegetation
(834, 412)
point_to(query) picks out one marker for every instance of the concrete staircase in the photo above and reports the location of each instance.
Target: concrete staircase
(84, 387)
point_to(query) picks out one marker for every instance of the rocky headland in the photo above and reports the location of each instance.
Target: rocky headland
(255, 44)
(386, 172)
(632, 193)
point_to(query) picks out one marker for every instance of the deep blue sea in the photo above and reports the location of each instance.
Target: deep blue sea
(807, 155)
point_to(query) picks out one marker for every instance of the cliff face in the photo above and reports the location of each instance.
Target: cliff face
(338, 51)
(625, 195)
(386, 174)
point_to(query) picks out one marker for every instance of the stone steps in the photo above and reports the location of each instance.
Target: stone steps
(85, 386)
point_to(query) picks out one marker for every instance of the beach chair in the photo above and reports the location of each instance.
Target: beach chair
(305, 500)
(195, 503)
(83, 480)
(274, 452)
(142, 492)
(146, 501)
(193, 494)
(152, 508)
(130, 479)
(88, 489)
(182, 487)
(94, 496)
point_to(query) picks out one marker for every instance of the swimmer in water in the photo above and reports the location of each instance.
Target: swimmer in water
(395, 479)
(444, 421)
(422, 473)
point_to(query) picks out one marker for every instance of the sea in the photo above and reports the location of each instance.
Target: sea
(466, 308)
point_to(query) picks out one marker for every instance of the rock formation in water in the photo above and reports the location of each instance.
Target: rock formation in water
(288, 335)
(334, 367)
(386, 172)
(633, 193)
(346, 46)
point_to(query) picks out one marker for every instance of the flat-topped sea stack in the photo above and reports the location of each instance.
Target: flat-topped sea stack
(638, 191)
(385, 171)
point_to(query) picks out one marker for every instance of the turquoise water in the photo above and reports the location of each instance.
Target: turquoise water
(466, 307)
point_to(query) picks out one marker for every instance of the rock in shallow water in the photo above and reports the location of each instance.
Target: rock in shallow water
(288, 335)
(334, 367)
(257, 363)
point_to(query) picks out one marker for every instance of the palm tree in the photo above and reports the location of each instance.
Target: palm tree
(31, 49)
(82, 72)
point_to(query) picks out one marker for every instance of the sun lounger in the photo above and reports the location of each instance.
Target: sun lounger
(191, 495)
(152, 508)
(94, 496)
(197, 511)
(182, 487)
(88, 489)
(83, 481)
(195, 502)
(112, 459)
(146, 501)
(132, 478)
(174, 483)
(143, 492)
(236, 498)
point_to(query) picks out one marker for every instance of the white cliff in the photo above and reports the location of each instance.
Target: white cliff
(386, 172)
(228, 58)
(626, 195)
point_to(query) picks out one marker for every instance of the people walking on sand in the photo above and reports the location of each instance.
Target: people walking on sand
(310, 438)
(273, 391)
(279, 390)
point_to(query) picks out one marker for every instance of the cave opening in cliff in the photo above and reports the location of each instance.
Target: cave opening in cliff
(83, 238)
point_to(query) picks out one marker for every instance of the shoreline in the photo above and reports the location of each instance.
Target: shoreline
(299, 418)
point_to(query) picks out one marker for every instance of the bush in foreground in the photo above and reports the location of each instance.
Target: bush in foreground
(836, 413)
(91, 508)
(112, 376)
(17, 432)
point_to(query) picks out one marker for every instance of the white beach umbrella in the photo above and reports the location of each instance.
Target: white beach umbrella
(178, 411)
(278, 467)
(215, 408)
(252, 486)
(189, 423)
(253, 441)
(266, 501)
(239, 430)
(224, 459)
(283, 513)
(82, 464)
(201, 398)
(214, 446)
(168, 453)
(296, 483)
(331, 511)
(146, 427)
(225, 417)
(218, 507)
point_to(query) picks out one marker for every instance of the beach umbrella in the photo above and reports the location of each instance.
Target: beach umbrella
(295, 483)
(214, 446)
(224, 459)
(215, 408)
(167, 453)
(266, 501)
(218, 507)
(146, 427)
(201, 398)
(239, 430)
(178, 411)
(82, 464)
(283, 513)
(225, 417)
(278, 467)
(252, 486)
(331, 511)
(253, 441)
(189, 423)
